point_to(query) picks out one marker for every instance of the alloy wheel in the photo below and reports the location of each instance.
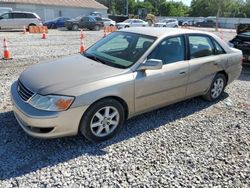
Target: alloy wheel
(105, 121)
(217, 88)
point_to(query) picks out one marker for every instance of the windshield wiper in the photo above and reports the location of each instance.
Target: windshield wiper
(90, 56)
(101, 60)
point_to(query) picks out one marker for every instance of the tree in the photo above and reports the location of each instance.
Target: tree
(173, 9)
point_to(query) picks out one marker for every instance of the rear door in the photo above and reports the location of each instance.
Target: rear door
(206, 59)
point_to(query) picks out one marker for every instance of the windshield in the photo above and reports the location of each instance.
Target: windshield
(120, 49)
(245, 34)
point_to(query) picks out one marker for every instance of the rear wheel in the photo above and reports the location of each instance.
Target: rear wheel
(127, 26)
(217, 88)
(103, 120)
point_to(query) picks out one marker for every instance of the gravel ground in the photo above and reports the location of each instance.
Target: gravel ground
(192, 144)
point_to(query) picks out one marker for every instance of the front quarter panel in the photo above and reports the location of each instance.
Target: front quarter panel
(121, 86)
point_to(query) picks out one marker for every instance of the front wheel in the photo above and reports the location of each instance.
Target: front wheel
(103, 120)
(217, 88)
(97, 28)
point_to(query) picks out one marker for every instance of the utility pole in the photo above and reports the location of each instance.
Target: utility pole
(126, 8)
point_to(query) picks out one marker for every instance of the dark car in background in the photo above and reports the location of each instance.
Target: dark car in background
(242, 41)
(87, 22)
(206, 23)
(56, 23)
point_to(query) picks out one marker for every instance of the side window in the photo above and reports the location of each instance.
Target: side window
(18, 15)
(200, 46)
(169, 50)
(218, 49)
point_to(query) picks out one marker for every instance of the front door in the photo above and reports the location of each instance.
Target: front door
(156, 88)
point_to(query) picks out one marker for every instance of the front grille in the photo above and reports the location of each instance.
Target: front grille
(24, 93)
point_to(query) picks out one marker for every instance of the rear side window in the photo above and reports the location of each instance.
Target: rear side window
(169, 50)
(30, 16)
(200, 46)
(218, 49)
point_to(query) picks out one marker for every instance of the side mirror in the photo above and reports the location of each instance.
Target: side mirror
(151, 64)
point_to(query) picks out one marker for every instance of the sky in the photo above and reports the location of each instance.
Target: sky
(186, 2)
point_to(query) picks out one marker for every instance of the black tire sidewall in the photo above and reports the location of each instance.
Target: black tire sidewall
(208, 95)
(88, 115)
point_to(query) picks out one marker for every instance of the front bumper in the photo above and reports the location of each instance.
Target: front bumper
(45, 124)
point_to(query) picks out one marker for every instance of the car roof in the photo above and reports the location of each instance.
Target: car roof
(161, 32)
(22, 12)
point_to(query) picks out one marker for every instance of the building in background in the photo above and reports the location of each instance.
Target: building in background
(50, 9)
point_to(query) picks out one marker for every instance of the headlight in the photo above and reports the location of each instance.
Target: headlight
(51, 102)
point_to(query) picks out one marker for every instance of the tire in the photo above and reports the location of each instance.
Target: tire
(126, 26)
(53, 26)
(75, 27)
(97, 28)
(217, 88)
(95, 124)
(111, 25)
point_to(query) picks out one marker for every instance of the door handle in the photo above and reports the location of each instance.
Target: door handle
(182, 72)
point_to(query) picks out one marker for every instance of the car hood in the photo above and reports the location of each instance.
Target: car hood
(63, 74)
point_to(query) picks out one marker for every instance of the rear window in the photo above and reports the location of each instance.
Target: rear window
(30, 16)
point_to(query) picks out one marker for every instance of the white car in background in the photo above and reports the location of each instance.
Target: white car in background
(167, 23)
(131, 23)
(19, 19)
(108, 22)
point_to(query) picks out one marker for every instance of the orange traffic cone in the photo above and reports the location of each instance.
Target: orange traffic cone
(24, 30)
(6, 53)
(82, 48)
(105, 32)
(44, 35)
(81, 35)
